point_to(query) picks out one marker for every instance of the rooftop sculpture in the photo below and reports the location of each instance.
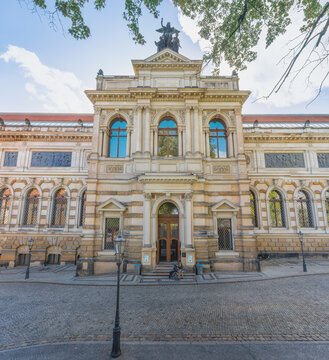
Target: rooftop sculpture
(169, 38)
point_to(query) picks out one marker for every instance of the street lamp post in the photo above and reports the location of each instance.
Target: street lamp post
(119, 246)
(300, 234)
(29, 244)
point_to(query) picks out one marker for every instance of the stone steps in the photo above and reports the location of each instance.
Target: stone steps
(160, 274)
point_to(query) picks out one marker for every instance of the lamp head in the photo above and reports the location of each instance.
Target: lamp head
(119, 245)
(30, 243)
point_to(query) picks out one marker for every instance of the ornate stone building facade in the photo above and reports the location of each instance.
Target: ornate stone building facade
(169, 160)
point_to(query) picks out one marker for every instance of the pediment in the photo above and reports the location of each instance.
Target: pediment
(167, 56)
(225, 205)
(112, 205)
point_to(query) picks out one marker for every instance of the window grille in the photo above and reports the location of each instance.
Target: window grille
(54, 259)
(111, 232)
(218, 139)
(82, 209)
(253, 209)
(30, 215)
(118, 138)
(305, 218)
(5, 198)
(168, 138)
(22, 259)
(225, 241)
(277, 218)
(59, 209)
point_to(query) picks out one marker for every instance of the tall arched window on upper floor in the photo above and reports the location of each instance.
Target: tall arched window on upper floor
(304, 209)
(118, 138)
(168, 138)
(58, 218)
(82, 213)
(277, 218)
(217, 139)
(5, 198)
(253, 209)
(30, 215)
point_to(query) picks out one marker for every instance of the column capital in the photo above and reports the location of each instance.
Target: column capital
(148, 196)
(188, 196)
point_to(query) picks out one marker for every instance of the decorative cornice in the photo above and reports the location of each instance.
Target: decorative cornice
(47, 137)
(156, 94)
(275, 138)
(167, 178)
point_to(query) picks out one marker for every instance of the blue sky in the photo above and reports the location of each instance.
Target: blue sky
(46, 70)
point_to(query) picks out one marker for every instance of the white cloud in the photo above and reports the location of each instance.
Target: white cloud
(57, 90)
(262, 74)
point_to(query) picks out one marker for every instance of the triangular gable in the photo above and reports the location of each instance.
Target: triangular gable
(225, 205)
(112, 205)
(167, 55)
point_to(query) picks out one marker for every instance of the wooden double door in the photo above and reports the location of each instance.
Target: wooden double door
(168, 238)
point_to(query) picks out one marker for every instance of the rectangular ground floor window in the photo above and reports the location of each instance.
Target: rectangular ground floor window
(22, 259)
(54, 259)
(224, 231)
(111, 232)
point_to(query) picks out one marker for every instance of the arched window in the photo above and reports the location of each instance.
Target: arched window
(253, 209)
(168, 138)
(118, 138)
(304, 210)
(217, 139)
(30, 216)
(277, 218)
(5, 198)
(58, 218)
(82, 209)
(327, 206)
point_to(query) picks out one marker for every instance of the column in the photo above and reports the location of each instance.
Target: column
(230, 144)
(188, 220)
(188, 130)
(196, 130)
(156, 142)
(147, 220)
(128, 142)
(201, 138)
(179, 142)
(139, 130)
(207, 144)
(101, 144)
(239, 133)
(147, 130)
(106, 145)
(152, 141)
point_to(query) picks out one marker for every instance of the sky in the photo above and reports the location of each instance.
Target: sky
(43, 69)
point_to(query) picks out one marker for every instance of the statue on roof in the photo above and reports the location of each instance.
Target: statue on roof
(169, 38)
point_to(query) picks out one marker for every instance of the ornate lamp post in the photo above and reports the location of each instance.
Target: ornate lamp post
(29, 244)
(300, 234)
(119, 247)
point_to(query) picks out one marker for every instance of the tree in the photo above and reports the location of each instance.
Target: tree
(232, 27)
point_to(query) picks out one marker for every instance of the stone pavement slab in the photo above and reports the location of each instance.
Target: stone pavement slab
(271, 269)
(173, 351)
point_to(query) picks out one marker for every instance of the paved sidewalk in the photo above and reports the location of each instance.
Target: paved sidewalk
(271, 269)
(173, 351)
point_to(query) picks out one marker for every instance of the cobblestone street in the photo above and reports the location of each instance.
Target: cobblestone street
(274, 310)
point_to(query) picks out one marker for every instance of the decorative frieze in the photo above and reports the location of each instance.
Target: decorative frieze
(221, 169)
(51, 159)
(114, 169)
(284, 160)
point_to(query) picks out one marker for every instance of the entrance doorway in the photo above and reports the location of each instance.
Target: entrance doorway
(168, 233)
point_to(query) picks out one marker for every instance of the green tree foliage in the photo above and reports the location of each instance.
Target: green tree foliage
(232, 27)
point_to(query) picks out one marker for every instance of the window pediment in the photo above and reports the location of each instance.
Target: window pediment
(112, 205)
(224, 206)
